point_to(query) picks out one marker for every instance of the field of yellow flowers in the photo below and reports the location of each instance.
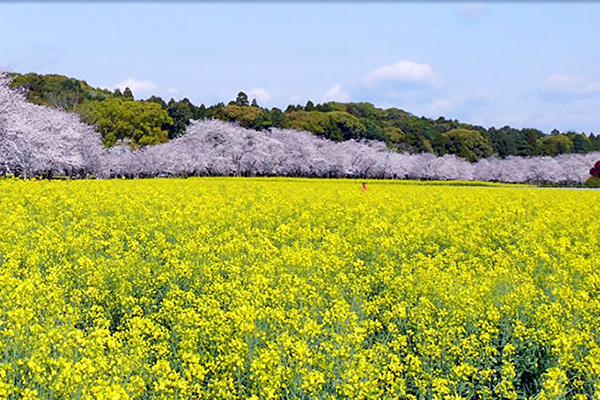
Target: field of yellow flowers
(235, 288)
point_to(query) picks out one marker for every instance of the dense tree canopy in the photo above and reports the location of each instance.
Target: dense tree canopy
(138, 123)
(248, 117)
(554, 145)
(581, 143)
(335, 125)
(465, 143)
(57, 91)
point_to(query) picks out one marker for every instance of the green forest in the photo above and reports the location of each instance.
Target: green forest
(122, 119)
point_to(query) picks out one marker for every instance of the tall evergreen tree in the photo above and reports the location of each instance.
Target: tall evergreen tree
(128, 94)
(242, 99)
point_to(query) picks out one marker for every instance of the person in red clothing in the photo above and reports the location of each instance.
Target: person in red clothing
(364, 186)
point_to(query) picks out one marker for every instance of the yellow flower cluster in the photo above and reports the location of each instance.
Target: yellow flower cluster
(288, 288)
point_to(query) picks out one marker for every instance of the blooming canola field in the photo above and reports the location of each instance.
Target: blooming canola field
(263, 288)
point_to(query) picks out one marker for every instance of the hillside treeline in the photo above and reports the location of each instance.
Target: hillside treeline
(120, 118)
(41, 141)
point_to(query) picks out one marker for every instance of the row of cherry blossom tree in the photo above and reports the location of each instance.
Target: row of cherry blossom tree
(36, 140)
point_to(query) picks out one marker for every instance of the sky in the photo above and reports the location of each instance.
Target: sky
(523, 64)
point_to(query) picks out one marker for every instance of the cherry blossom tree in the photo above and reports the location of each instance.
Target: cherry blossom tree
(38, 140)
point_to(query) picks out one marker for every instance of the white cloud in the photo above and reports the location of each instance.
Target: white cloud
(402, 71)
(137, 87)
(473, 10)
(464, 107)
(260, 94)
(173, 90)
(440, 105)
(571, 85)
(335, 94)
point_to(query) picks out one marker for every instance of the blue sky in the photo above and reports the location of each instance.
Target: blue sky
(522, 64)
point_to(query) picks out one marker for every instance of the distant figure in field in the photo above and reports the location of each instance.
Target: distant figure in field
(364, 187)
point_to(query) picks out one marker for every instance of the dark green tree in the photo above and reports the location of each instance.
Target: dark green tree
(278, 119)
(128, 94)
(242, 99)
(528, 142)
(157, 100)
(181, 112)
(504, 141)
(200, 112)
(581, 143)
(595, 141)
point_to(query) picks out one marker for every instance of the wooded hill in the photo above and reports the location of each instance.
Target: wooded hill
(122, 119)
